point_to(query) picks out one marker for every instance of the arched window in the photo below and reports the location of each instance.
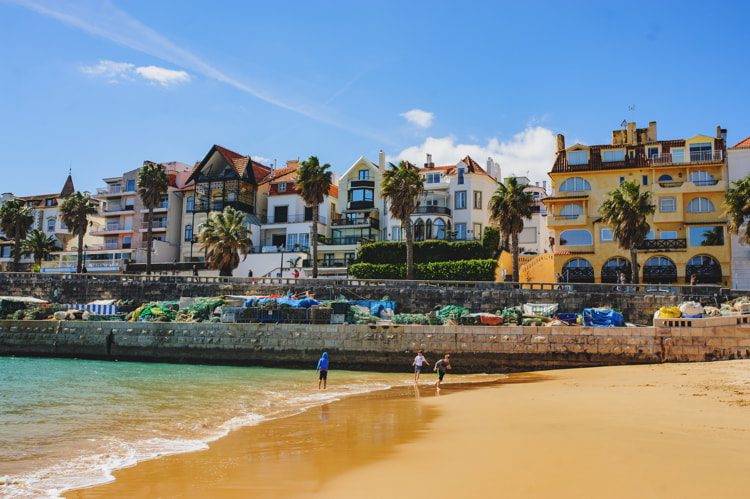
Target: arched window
(419, 230)
(51, 224)
(188, 233)
(706, 268)
(612, 268)
(700, 205)
(190, 203)
(571, 211)
(428, 229)
(576, 237)
(659, 270)
(578, 270)
(665, 178)
(439, 227)
(575, 184)
(702, 177)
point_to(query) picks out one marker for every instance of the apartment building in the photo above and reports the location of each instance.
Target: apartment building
(534, 239)
(687, 179)
(739, 167)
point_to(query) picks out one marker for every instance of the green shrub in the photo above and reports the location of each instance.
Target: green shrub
(463, 270)
(491, 242)
(424, 252)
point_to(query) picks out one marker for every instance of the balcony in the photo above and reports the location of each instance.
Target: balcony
(715, 156)
(158, 225)
(354, 183)
(556, 220)
(112, 228)
(360, 205)
(356, 221)
(344, 240)
(672, 184)
(432, 210)
(292, 219)
(330, 263)
(205, 207)
(118, 209)
(112, 190)
(663, 245)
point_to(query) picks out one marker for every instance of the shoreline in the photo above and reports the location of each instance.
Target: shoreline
(678, 430)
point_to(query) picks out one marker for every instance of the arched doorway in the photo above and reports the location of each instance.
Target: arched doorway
(428, 229)
(705, 267)
(659, 270)
(578, 270)
(419, 230)
(439, 228)
(612, 268)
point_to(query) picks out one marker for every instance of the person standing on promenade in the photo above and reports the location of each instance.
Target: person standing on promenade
(323, 371)
(419, 361)
(441, 367)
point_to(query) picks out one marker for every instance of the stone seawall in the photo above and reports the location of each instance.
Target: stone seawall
(411, 297)
(374, 348)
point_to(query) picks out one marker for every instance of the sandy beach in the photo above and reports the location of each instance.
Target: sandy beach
(670, 430)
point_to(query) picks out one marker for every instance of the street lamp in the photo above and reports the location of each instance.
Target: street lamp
(83, 266)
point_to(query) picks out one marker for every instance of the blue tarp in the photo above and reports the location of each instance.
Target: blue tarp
(375, 306)
(303, 303)
(601, 317)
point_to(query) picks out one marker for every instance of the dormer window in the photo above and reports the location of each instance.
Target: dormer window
(363, 175)
(282, 186)
(700, 151)
(578, 157)
(432, 178)
(609, 155)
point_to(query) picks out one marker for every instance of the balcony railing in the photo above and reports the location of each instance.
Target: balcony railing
(663, 244)
(112, 227)
(202, 206)
(344, 240)
(704, 183)
(330, 262)
(291, 219)
(671, 184)
(113, 189)
(566, 217)
(432, 210)
(692, 157)
(111, 209)
(367, 221)
(158, 224)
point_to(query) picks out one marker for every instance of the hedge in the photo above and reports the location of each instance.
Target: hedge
(464, 270)
(424, 252)
(491, 242)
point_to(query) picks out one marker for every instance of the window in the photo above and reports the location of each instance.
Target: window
(127, 242)
(711, 235)
(461, 231)
(645, 180)
(432, 178)
(280, 214)
(361, 195)
(665, 178)
(477, 200)
(606, 235)
(700, 151)
(363, 175)
(190, 203)
(395, 233)
(668, 234)
(50, 225)
(575, 184)
(439, 228)
(188, 233)
(700, 205)
(701, 177)
(668, 204)
(678, 155)
(130, 186)
(613, 155)
(578, 270)
(460, 200)
(282, 187)
(477, 231)
(571, 211)
(650, 235)
(576, 237)
(461, 175)
(578, 157)
(49, 202)
(6, 251)
(652, 152)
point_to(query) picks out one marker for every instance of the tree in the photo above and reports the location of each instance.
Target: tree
(224, 236)
(152, 187)
(313, 182)
(402, 185)
(509, 206)
(625, 210)
(737, 203)
(15, 221)
(40, 245)
(75, 211)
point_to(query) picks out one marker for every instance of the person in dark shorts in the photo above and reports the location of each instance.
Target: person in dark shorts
(441, 367)
(323, 371)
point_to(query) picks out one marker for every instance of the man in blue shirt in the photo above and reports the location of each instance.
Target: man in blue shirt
(323, 370)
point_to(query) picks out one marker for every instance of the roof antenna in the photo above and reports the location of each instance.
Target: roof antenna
(624, 123)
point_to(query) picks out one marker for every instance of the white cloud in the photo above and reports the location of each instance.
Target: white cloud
(419, 117)
(163, 76)
(528, 153)
(115, 72)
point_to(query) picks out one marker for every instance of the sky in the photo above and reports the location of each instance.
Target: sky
(100, 86)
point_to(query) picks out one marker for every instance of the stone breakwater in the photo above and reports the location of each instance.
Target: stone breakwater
(373, 348)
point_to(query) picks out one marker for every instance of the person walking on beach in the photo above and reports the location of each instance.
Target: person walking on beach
(323, 371)
(419, 361)
(441, 367)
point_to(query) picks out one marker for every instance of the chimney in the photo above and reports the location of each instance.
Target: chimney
(721, 133)
(544, 186)
(651, 131)
(560, 142)
(631, 133)
(429, 163)
(381, 160)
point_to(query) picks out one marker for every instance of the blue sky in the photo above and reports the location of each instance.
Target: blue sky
(104, 85)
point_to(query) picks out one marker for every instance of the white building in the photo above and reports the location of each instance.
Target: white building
(534, 238)
(738, 168)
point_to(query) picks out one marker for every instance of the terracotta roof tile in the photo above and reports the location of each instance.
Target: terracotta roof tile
(743, 144)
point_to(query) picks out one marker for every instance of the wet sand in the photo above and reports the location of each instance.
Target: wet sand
(671, 430)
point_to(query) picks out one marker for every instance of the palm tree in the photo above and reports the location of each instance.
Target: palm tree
(15, 220)
(509, 206)
(402, 185)
(625, 211)
(152, 187)
(737, 203)
(40, 245)
(75, 211)
(224, 236)
(313, 182)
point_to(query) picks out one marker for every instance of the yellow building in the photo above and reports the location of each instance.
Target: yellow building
(687, 179)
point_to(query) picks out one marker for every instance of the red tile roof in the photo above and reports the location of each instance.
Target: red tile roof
(471, 165)
(743, 144)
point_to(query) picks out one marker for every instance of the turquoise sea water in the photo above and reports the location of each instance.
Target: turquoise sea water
(68, 423)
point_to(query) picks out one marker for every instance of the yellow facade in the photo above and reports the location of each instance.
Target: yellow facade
(687, 180)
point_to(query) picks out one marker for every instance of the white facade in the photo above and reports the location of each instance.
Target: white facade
(739, 167)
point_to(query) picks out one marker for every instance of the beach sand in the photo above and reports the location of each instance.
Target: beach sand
(670, 430)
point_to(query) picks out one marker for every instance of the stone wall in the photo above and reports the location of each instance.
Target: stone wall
(414, 296)
(374, 348)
